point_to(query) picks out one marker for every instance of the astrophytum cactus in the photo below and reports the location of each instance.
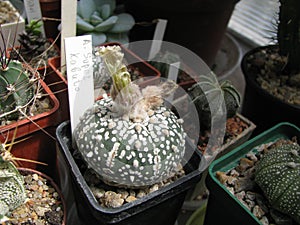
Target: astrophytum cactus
(278, 175)
(11, 188)
(130, 138)
(208, 94)
(15, 88)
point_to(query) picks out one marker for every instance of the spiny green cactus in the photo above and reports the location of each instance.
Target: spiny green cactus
(208, 95)
(278, 175)
(130, 139)
(288, 33)
(15, 88)
(97, 18)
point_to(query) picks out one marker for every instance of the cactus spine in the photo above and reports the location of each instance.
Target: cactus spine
(15, 88)
(208, 95)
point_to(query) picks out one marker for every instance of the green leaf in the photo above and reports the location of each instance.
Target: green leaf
(83, 26)
(107, 24)
(124, 23)
(111, 3)
(106, 11)
(121, 38)
(85, 8)
(96, 19)
(98, 38)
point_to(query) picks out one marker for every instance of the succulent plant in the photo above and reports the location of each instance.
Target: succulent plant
(11, 188)
(16, 90)
(32, 41)
(129, 138)
(207, 95)
(98, 19)
(11, 182)
(277, 174)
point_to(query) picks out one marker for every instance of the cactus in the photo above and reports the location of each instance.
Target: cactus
(11, 188)
(15, 88)
(277, 174)
(288, 33)
(97, 19)
(32, 41)
(129, 138)
(207, 92)
(11, 181)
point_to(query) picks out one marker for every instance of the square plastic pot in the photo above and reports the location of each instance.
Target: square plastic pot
(223, 207)
(160, 207)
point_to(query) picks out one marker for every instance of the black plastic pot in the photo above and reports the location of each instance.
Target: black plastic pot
(198, 25)
(160, 207)
(223, 207)
(262, 108)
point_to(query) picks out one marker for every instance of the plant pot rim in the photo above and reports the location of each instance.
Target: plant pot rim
(252, 78)
(53, 184)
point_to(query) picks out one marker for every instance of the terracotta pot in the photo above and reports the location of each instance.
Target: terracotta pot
(51, 9)
(198, 25)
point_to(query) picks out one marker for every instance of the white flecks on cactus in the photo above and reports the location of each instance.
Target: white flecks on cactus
(277, 174)
(139, 141)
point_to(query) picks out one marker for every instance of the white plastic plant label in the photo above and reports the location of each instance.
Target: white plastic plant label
(33, 12)
(158, 36)
(80, 75)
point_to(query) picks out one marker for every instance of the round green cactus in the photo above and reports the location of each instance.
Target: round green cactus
(130, 139)
(208, 94)
(278, 175)
(15, 88)
(11, 188)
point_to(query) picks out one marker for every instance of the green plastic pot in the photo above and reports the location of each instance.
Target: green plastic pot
(223, 207)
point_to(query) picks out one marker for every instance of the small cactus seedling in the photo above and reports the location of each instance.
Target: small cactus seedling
(130, 139)
(208, 95)
(278, 175)
(98, 19)
(32, 42)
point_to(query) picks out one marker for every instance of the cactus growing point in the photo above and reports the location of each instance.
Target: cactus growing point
(130, 139)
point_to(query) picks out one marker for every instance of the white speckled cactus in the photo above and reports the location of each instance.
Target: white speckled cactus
(12, 190)
(130, 139)
(278, 175)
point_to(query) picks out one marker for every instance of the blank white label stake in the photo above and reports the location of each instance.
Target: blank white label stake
(80, 76)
